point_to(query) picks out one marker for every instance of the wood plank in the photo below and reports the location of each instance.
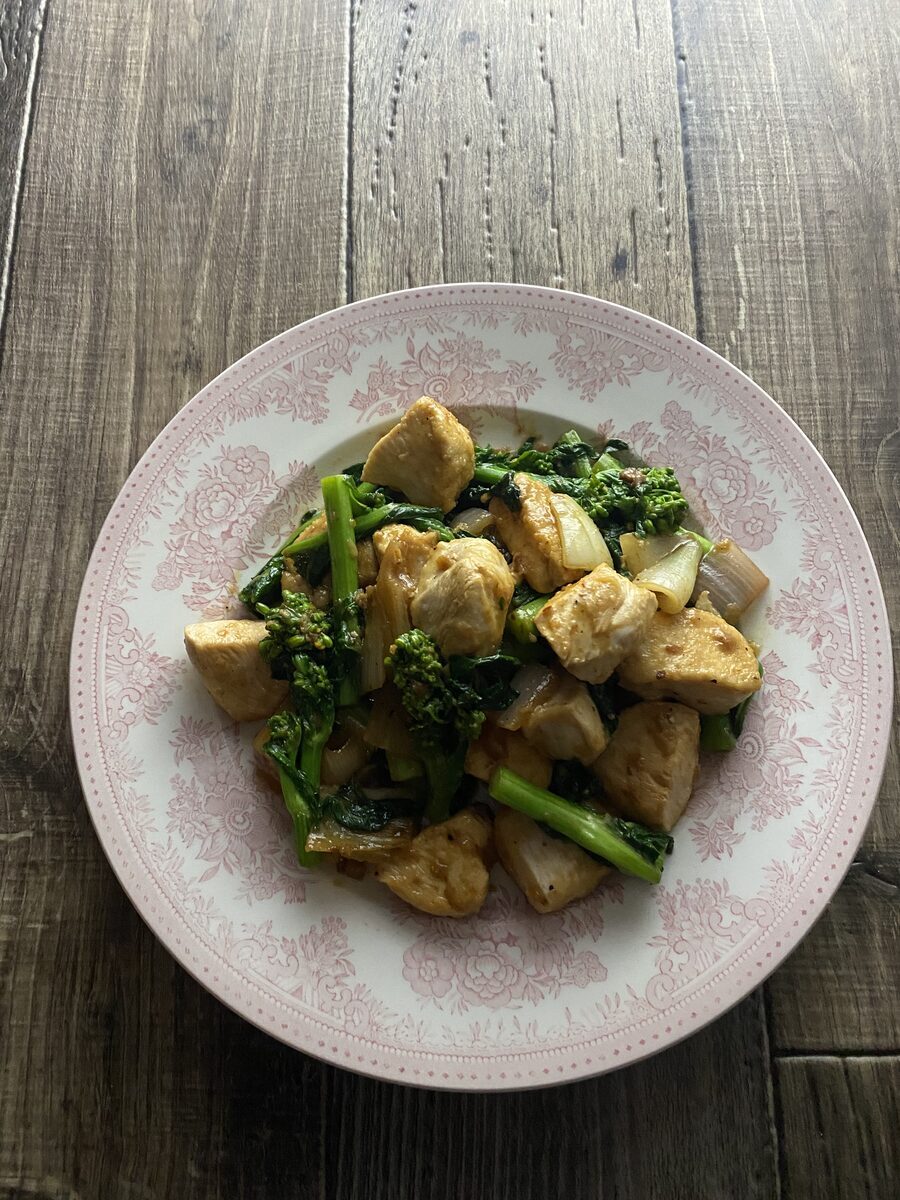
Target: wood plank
(621, 1136)
(528, 142)
(842, 982)
(793, 151)
(537, 143)
(21, 25)
(840, 1127)
(172, 217)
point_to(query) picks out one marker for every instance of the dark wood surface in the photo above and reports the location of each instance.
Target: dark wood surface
(178, 182)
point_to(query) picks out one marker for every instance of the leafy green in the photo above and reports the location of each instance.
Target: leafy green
(265, 586)
(353, 808)
(489, 677)
(299, 647)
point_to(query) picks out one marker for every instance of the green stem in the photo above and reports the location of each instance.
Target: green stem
(717, 732)
(367, 523)
(520, 621)
(594, 831)
(608, 462)
(341, 532)
(302, 819)
(402, 768)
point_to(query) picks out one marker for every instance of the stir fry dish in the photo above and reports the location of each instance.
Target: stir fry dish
(471, 654)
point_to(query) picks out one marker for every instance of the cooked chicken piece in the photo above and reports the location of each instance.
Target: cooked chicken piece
(293, 581)
(329, 837)
(226, 654)
(428, 456)
(649, 767)
(564, 722)
(445, 869)
(552, 872)
(594, 623)
(317, 525)
(462, 596)
(695, 657)
(496, 747)
(532, 536)
(402, 554)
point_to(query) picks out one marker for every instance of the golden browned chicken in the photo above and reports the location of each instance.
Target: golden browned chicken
(496, 747)
(446, 868)
(649, 767)
(226, 655)
(695, 657)
(563, 722)
(428, 455)
(550, 871)
(594, 623)
(463, 595)
(532, 536)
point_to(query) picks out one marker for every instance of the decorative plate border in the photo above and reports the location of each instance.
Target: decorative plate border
(521, 1068)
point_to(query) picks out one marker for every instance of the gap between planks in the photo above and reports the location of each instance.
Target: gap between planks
(15, 205)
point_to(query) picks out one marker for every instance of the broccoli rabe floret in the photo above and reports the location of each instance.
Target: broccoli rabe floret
(299, 647)
(444, 713)
(619, 499)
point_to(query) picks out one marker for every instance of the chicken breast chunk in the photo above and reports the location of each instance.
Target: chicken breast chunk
(496, 747)
(532, 536)
(402, 554)
(445, 869)
(564, 722)
(462, 596)
(428, 456)
(649, 767)
(552, 872)
(594, 623)
(226, 654)
(695, 657)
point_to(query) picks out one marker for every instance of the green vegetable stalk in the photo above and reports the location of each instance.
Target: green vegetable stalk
(341, 526)
(426, 519)
(596, 832)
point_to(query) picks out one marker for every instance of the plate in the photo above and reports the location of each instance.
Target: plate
(505, 999)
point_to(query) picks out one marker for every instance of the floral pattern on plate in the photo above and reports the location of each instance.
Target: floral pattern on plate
(506, 998)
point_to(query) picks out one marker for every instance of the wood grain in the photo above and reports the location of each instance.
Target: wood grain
(840, 1128)
(20, 44)
(793, 156)
(618, 1136)
(169, 222)
(527, 142)
(198, 176)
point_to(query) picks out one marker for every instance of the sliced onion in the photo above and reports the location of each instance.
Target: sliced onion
(673, 577)
(472, 520)
(331, 838)
(529, 683)
(732, 580)
(703, 602)
(583, 547)
(339, 764)
(375, 646)
(639, 553)
(387, 729)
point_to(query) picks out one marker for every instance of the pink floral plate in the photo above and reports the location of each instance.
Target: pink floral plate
(506, 999)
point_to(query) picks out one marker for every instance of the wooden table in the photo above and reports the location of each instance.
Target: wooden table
(178, 182)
